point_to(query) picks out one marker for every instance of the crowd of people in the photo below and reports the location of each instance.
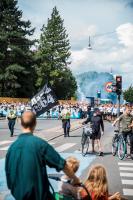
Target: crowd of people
(19, 107)
(77, 110)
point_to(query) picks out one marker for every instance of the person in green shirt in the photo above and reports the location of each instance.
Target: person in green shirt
(126, 121)
(26, 162)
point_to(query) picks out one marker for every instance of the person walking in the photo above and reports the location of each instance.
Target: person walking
(26, 162)
(96, 125)
(65, 115)
(126, 121)
(11, 116)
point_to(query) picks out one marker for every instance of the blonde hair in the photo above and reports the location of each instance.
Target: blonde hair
(74, 163)
(97, 181)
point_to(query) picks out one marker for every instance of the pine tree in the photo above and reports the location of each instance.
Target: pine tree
(54, 54)
(16, 58)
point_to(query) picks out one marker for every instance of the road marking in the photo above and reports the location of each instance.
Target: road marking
(5, 142)
(8, 142)
(128, 192)
(65, 147)
(4, 148)
(126, 168)
(127, 182)
(125, 163)
(51, 143)
(126, 174)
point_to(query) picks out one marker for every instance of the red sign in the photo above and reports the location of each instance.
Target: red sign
(108, 87)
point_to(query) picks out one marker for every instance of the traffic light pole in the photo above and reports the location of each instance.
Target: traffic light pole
(118, 97)
(118, 113)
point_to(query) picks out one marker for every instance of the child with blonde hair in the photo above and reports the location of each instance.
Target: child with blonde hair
(97, 185)
(65, 186)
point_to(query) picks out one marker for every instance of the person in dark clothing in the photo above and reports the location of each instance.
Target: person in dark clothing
(96, 125)
(90, 112)
(26, 162)
(65, 115)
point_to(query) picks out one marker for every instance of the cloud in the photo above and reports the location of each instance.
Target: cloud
(84, 33)
(125, 34)
(117, 56)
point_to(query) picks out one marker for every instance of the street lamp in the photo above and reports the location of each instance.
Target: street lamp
(89, 45)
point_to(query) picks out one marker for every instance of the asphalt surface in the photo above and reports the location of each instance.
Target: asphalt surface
(120, 173)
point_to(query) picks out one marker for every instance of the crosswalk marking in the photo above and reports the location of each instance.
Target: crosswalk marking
(126, 174)
(4, 148)
(126, 168)
(5, 142)
(51, 143)
(128, 192)
(125, 163)
(65, 147)
(127, 182)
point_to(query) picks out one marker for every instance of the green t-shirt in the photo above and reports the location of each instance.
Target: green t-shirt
(25, 167)
(125, 121)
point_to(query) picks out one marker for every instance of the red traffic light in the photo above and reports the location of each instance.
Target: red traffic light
(118, 78)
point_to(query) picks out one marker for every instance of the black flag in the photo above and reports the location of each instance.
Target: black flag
(43, 100)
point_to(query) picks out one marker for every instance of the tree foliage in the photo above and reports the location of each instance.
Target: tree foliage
(128, 94)
(16, 58)
(53, 55)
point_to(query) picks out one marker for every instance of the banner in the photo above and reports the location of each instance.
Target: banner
(43, 100)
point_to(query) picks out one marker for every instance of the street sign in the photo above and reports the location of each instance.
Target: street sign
(108, 87)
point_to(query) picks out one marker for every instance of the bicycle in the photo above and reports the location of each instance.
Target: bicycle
(119, 145)
(85, 140)
(60, 196)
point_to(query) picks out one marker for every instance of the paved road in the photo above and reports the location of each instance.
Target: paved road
(120, 173)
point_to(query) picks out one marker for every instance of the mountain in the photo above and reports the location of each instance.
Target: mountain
(90, 82)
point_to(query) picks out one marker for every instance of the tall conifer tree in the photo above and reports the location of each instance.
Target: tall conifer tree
(16, 58)
(54, 54)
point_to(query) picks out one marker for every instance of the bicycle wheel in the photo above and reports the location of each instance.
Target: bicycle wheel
(85, 146)
(121, 149)
(114, 145)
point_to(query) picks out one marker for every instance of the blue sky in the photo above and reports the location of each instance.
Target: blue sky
(91, 17)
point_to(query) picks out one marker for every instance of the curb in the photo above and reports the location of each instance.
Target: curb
(63, 134)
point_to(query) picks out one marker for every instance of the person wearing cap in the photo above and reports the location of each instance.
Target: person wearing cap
(26, 162)
(97, 124)
(90, 111)
(11, 116)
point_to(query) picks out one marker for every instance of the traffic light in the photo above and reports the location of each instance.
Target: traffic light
(118, 85)
(114, 87)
